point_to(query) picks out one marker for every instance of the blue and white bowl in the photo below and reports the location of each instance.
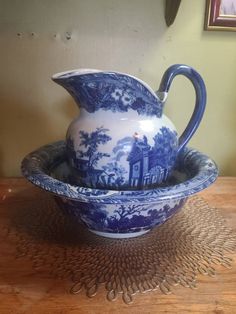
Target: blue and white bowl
(113, 213)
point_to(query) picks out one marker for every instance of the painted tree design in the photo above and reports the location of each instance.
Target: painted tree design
(165, 147)
(124, 211)
(93, 215)
(115, 172)
(121, 219)
(91, 141)
(124, 217)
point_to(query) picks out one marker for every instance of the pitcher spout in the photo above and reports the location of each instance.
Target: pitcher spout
(95, 89)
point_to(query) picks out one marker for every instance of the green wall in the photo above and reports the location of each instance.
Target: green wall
(39, 38)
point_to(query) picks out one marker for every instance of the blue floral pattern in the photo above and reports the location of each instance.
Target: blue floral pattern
(112, 91)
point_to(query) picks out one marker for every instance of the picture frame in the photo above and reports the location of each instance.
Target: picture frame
(220, 15)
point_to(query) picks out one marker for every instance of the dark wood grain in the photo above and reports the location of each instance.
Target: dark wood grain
(22, 290)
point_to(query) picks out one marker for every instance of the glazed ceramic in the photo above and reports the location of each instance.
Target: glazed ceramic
(122, 139)
(118, 214)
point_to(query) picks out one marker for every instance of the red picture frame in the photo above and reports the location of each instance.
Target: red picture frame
(220, 15)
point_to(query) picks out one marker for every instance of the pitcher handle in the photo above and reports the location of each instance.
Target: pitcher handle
(200, 103)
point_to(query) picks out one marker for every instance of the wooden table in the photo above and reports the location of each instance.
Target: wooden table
(22, 290)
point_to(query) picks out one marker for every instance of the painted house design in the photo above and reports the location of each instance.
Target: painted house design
(145, 164)
(145, 168)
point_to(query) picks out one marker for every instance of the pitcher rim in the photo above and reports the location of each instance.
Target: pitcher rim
(84, 71)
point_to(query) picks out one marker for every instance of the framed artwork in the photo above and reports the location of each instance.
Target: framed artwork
(220, 15)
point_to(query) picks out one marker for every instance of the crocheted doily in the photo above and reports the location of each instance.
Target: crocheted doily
(188, 244)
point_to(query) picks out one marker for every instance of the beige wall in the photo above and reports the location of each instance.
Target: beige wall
(128, 36)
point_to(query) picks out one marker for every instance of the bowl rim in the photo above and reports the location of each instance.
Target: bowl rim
(36, 167)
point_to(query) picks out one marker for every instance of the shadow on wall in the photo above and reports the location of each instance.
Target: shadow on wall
(228, 169)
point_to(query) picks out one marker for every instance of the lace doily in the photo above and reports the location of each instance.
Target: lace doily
(188, 244)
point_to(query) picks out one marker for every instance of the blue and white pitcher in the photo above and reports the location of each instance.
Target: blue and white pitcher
(121, 138)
